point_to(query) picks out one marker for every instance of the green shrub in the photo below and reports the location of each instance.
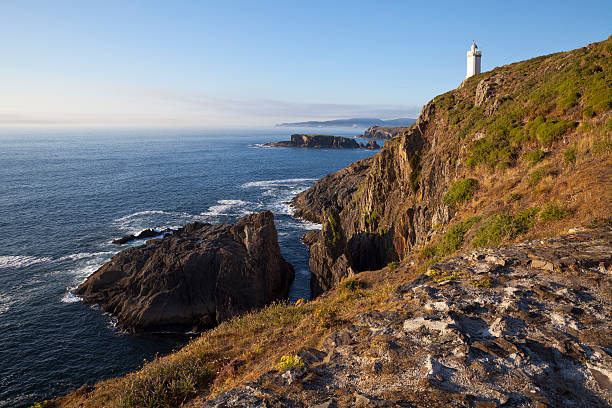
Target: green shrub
(451, 241)
(549, 130)
(350, 284)
(538, 174)
(327, 316)
(289, 362)
(588, 112)
(569, 156)
(494, 150)
(483, 283)
(514, 197)
(552, 213)
(333, 234)
(504, 226)
(392, 265)
(370, 219)
(461, 191)
(534, 156)
(603, 146)
(162, 384)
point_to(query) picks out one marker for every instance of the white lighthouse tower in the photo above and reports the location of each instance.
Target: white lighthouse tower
(473, 61)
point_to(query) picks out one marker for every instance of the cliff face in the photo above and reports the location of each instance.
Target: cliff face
(383, 132)
(511, 145)
(195, 278)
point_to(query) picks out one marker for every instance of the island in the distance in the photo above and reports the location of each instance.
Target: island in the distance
(323, 142)
(352, 122)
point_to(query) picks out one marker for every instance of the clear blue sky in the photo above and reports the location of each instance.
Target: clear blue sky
(215, 63)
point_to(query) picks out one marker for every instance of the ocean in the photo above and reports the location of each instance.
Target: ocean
(65, 194)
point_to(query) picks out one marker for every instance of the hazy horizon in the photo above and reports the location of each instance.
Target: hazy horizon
(199, 64)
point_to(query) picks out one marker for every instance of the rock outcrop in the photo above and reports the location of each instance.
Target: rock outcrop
(195, 278)
(525, 325)
(317, 142)
(383, 132)
(148, 233)
(380, 209)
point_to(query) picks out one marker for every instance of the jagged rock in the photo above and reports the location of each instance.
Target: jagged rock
(148, 233)
(382, 132)
(464, 345)
(199, 276)
(372, 145)
(317, 142)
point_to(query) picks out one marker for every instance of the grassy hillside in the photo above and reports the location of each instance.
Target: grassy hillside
(522, 151)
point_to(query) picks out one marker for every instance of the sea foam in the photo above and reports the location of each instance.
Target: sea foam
(21, 261)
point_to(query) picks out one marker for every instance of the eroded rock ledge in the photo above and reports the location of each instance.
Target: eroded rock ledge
(199, 276)
(526, 325)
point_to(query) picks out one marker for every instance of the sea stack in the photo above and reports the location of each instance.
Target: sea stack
(195, 278)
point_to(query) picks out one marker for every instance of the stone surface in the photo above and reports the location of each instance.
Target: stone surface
(535, 338)
(199, 276)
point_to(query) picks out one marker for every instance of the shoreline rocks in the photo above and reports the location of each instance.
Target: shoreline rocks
(195, 278)
(148, 233)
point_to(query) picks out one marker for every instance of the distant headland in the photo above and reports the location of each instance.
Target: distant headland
(353, 122)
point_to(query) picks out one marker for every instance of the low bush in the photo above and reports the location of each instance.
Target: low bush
(569, 156)
(415, 174)
(552, 213)
(350, 284)
(392, 265)
(289, 362)
(534, 156)
(163, 383)
(549, 130)
(538, 174)
(461, 191)
(504, 226)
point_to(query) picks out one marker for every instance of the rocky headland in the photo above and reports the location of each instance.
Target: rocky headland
(382, 132)
(317, 142)
(147, 233)
(195, 278)
(449, 271)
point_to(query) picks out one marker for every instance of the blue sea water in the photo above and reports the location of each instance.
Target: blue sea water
(66, 194)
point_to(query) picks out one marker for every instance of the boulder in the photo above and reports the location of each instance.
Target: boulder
(195, 278)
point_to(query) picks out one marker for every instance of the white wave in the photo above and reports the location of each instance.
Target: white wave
(228, 207)
(139, 213)
(69, 297)
(21, 261)
(83, 255)
(5, 303)
(270, 183)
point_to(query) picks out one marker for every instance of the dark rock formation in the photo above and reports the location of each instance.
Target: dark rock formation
(372, 145)
(519, 326)
(317, 142)
(382, 132)
(148, 233)
(199, 276)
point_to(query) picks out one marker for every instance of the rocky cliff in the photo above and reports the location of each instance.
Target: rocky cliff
(519, 149)
(383, 132)
(195, 278)
(317, 142)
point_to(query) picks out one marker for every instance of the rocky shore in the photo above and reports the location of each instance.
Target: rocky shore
(195, 278)
(321, 142)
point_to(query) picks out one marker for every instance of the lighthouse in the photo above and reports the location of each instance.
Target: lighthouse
(473, 61)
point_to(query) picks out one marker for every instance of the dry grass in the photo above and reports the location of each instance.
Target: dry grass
(258, 340)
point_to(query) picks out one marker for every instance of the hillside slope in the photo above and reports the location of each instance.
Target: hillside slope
(525, 148)
(521, 152)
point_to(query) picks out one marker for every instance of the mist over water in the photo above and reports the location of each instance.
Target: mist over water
(66, 194)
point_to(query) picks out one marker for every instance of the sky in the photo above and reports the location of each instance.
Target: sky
(257, 63)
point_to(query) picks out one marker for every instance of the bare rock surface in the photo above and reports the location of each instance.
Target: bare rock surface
(526, 325)
(195, 278)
